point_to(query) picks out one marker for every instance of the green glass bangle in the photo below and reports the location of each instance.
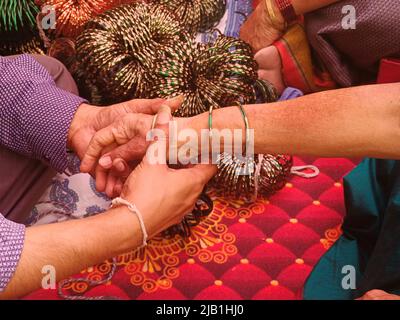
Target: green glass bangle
(245, 119)
(210, 122)
(246, 123)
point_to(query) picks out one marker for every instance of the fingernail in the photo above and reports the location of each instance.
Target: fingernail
(164, 114)
(120, 166)
(105, 162)
(179, 98)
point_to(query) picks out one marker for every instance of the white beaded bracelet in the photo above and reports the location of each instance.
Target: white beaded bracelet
(135, 210)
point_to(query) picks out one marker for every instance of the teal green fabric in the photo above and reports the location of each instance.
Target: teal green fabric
(370, 243)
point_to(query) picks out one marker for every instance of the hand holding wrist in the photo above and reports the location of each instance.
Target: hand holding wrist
(81, 120)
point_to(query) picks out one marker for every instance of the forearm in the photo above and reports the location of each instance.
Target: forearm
(355, 122)
(72, 246)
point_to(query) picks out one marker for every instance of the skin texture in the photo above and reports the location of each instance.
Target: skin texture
(74, 245)
(354, 122)
(90, 120)
(379, 295)
(368, 124)
(270, 67)
(260, 32)
(186, 183)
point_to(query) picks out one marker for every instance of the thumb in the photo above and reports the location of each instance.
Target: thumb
(203, 172)
(175, 103)
(157, 151)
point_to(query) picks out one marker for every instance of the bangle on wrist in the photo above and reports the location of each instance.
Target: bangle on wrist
(246, 125)
(287, 10)
(276, 22)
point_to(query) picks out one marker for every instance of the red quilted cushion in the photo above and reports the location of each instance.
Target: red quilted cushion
(264, 250)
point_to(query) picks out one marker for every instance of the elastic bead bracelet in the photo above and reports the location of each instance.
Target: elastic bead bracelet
(135, 210)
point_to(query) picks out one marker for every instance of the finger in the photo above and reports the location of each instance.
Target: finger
(147, 106)
(152, 106)
(104, 138)
(274, 77)
(101, 178)
(118, 187)
(106, 162)
(117, 177)
(100, 140)
(100, 175)
(204, 172)
(111, 182)
(121, 168)
(175, 103)
(157, 151)
(266, 57)
(129, 151)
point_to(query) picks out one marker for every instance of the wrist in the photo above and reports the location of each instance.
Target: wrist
(222, 120)
(80, 120)
(127, 223)
(274, 15)
(231, 119)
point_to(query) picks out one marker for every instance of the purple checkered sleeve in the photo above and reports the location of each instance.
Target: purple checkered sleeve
(35, 117)
(11, 243)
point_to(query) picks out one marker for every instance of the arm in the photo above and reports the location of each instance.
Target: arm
(260, 31)
(34, 114)
(34, 121)
(39, 120)
(71, 246)
(355, 122)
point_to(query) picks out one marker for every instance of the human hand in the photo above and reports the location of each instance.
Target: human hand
(113, 150)
(258, 30)
(270, 67)
(88, 120)
(379, 295)
(164, 195)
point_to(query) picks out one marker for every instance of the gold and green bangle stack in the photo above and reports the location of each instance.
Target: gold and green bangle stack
(250, 175)
(144, 51)
(196, 15)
